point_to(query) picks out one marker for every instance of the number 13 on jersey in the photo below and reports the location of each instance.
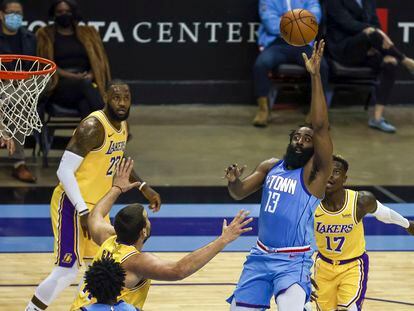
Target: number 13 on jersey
(272, 201)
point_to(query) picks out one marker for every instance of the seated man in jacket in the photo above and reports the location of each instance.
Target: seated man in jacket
(355, 38)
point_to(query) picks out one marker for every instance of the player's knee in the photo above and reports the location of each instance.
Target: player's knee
(390, 60)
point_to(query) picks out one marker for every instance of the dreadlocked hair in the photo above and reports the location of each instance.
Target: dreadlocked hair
(104, 280)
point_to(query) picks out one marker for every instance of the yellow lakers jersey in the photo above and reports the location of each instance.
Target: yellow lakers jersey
(119, 252)
(338, 234)
(94, 176)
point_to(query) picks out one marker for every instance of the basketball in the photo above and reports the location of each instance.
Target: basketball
(298, 27)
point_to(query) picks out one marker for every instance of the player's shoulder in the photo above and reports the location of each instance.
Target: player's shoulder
(365, 198)
(90, 126)
(268, 164)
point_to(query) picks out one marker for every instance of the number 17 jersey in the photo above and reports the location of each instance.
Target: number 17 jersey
(287, 209)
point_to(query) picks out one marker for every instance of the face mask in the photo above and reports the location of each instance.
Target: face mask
(64, 20)
(13, 21)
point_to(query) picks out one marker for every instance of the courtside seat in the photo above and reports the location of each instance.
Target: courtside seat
(340, 71)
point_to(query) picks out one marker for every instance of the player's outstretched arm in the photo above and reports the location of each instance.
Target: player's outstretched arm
(149, 266)
(100, 230)
(88, 135)
(323, 148)
(239, 189)
(368, 204)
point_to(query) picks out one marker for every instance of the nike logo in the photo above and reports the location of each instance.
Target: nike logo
(109, 135)
(346, 215)
(319, 215)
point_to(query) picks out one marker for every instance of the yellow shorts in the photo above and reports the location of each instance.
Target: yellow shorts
(341, 285)
(69, 242)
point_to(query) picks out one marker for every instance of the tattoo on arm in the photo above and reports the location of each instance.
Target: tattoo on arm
(89, 135)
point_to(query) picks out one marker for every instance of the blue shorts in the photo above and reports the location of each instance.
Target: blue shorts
(265, 275)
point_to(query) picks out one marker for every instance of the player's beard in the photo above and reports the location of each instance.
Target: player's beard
(114, 116)
(296, 160)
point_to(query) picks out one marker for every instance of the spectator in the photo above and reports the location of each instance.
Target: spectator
(15, 39)
(104, 280)
(83, 69)
(354, 38)
(276, 51)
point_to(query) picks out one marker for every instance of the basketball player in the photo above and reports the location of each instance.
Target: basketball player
(85, 173)
(104, 280)
(123, 242)
(341, 266)
(279, 265)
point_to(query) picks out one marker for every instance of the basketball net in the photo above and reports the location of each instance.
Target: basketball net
(22, 79)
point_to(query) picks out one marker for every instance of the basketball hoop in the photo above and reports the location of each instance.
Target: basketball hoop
(22, 80)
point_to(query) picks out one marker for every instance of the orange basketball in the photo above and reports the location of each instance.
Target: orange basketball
(298, 27)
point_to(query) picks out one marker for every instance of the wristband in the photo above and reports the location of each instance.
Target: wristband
(120, 189)
(142, 186)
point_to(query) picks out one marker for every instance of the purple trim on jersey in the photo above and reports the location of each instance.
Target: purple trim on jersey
(365, 266)
(302, 181)
(68, 235)
(248, 305)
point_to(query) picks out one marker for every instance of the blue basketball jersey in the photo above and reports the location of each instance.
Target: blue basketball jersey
(287, 208)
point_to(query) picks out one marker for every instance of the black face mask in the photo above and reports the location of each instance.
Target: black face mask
(64, 20)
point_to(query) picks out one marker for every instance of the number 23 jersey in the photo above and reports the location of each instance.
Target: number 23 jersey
(95, 174)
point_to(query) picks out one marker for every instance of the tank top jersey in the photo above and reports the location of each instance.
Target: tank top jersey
(339, 236)
(95, 174)
(287, 209)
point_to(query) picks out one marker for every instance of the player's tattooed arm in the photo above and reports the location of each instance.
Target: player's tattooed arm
(89, 135)
(239, 189)
(366, 204)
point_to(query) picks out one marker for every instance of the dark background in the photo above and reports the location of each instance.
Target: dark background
(202, 71)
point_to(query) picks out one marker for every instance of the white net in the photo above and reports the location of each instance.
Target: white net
(19, 97)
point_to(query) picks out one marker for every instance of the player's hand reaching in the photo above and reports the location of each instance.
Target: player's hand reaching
(233, 172)
(313, 64)
(410, 229)
(84, 225)
(153, 197)
(122, 173)
(236, 227)
(8, 143)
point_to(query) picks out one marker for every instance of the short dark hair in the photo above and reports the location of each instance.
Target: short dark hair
(114, 82)
(340, 159)
(73, 7)
(292, 132)
(5, 3)
(128, 223)
(105, 279)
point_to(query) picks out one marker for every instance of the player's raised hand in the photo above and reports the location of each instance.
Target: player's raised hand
(122, 173)
(233, 172)
(236, 227)
(313, 64)
(410, 229)
(8, 143)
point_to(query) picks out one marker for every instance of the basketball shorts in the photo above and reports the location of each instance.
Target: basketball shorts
(341, 285)
(266, 275)
(70, 245)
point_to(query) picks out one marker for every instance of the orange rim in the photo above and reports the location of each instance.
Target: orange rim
(20, 75)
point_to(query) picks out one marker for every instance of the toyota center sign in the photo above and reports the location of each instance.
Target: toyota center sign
(194, 51)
